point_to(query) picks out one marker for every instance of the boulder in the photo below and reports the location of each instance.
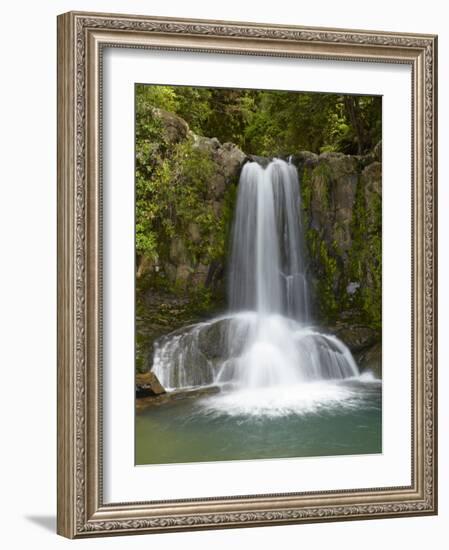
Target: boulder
(231, 159)
(176, 128)
(212, 340)
(205, 144)
(263, 161)
(371, 360)
(358, 338)
(305, 158)
(147, 385)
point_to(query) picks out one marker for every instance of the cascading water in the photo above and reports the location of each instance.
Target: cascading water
(266, 341)
(267, 269)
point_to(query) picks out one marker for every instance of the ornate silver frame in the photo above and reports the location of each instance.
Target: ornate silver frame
(81, 510)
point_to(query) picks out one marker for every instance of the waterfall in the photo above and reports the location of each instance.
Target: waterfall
(267, 272)
(266, 340)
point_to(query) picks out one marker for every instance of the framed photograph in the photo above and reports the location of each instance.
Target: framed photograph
(246, 274)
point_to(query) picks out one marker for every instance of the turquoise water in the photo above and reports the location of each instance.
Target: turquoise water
(315, 419)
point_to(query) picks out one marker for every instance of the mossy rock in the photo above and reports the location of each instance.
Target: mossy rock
(358, 338)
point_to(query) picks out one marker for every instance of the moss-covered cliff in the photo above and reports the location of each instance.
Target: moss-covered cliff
(342, 213)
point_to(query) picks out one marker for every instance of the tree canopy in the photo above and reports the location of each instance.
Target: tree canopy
(268, 123)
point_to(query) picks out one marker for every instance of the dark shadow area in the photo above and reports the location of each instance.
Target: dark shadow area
(46, 522)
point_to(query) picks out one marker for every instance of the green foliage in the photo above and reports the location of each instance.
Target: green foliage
(306, 196)
(271, 123)
(321, 175)
(173, 199)
(147, 97)
(175, 215)
(326, 269)
(151, 147)
(363, 115)
(192, 170)
(286, 121)
(194, 106)
(366, 257)
(334, 268)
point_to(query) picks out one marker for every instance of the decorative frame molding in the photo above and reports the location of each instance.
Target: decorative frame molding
(81, 38)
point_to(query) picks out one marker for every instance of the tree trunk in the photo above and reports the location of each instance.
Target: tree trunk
(354, 115)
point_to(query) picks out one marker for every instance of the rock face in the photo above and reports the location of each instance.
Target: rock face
(371, 360)
(228, 160)
(175, 128)
(358, 338)
(365, 345)
(341, 199)
(183, 266)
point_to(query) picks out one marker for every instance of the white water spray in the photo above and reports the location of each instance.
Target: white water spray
(266, 341)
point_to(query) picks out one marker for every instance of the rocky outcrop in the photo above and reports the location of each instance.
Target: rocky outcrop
(365, 345)
(371, 360)
(148, 385)
(358, 338)
(183, 266)
(341, 199)
(173, 397)
(175, 128)
(228, 160)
